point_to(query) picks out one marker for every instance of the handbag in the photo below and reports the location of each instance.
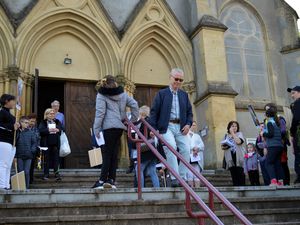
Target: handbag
(145, 148)
(64, 145)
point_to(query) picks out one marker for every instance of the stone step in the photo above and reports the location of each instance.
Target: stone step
(161, 206)
(139, 206)
(178, 218)
(85, 178)
(130, 194)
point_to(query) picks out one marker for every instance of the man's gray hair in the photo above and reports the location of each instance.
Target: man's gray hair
(55, 103)
(175, 71)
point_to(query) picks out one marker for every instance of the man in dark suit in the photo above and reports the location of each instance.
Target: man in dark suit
(171, 114)
(295, 128)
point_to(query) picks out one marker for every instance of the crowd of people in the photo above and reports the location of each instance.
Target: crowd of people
(171, 115)
(269, 152)
(25, 143)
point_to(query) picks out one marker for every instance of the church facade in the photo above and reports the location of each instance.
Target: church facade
(233, 52)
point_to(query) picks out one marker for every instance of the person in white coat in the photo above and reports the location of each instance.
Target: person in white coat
(197, 160)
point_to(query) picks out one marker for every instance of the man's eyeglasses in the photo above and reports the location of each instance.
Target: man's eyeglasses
(178, 79)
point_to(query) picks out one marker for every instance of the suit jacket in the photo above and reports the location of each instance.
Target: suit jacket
(161, 110)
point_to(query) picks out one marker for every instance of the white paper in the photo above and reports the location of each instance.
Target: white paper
(43, 148)
(226, 142)
(134, 154)
(100, 141)
(195, 158)
(51, 125)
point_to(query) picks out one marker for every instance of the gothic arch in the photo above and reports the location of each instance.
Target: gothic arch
(156, 27)
(6, 43)
(68, 21)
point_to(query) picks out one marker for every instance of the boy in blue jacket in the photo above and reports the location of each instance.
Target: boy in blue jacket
(26, 145)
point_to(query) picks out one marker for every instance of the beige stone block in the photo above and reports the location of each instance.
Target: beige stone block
(212, 50)
(217, 112)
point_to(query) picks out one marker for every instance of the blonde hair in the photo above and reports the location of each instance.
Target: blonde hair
(47, 111)
(144, 110)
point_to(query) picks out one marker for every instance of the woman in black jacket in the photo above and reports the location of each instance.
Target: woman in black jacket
(7, 127)
(50, 131)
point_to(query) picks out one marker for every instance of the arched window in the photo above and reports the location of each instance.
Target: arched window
(245, 51)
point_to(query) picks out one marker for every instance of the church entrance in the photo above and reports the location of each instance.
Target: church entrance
(145, 94)
(77, 102)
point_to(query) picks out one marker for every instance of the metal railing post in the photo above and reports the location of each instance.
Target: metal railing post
(138, 148)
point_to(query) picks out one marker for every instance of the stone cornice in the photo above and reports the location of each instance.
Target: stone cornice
(216, 88)
(291, 48)
(210, 22)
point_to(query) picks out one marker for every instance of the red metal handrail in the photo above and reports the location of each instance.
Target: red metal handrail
(208, 210)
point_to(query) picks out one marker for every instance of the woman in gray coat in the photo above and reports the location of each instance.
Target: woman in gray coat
(111, 106)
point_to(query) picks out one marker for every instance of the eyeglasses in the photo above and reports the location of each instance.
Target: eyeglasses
(178, 79)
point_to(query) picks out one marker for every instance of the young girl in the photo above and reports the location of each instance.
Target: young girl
(272, 135)
(197, 148)
(251, 165)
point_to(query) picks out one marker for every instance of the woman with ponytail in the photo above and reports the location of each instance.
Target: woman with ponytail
(272, 135)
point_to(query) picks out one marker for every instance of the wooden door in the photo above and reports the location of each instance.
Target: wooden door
(145, 94)
(80, 111)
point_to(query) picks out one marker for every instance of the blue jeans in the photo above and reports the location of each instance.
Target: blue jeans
(273, 163)
(264, 171)
(149, 168)
(175, 138)
(24, 165)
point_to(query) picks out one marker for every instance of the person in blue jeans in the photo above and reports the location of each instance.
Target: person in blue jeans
(26, 146)
(261, 147)
(272, 135)
(171, 114)
(148, 159)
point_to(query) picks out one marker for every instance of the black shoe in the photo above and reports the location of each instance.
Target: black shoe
(175, 183)
(129, 170)
(98, 185)
(57, 177)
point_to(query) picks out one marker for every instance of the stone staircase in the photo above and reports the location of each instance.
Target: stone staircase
(79, 205)
(85, 178)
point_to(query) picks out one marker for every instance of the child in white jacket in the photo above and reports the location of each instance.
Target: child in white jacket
(197, 148)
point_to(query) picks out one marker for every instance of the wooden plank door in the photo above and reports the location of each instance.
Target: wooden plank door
(79, 111)
(144, 95)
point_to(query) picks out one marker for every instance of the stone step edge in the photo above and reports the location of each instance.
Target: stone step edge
(146, 190)
(140, 202)
(85, 218)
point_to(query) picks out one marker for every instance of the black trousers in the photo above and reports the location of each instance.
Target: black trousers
(237, 175)
(297, 156)
(273, 163)
(33, 161)
(286, 172)
(254, 177)
(51, 157)
(110, 152)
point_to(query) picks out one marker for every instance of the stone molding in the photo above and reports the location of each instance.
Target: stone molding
(209, 22)
(216, 88)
